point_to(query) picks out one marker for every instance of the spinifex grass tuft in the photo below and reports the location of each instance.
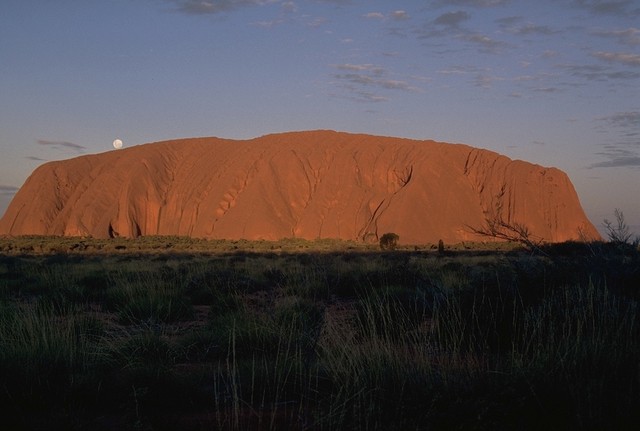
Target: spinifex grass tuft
(38, 341)
(46, 353)
(148, 298)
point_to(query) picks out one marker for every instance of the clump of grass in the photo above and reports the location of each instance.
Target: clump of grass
(583, 342)
(45, 355)
(381, 364)
(38, 339)
(140, 298)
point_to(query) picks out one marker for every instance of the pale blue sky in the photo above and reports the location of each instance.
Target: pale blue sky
(554, 82)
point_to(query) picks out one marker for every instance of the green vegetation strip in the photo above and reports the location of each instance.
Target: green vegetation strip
(324, 340)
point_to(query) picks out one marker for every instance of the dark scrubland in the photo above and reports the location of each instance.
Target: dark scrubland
(172, 333)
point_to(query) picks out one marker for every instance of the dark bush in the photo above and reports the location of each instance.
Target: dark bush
(389, 241)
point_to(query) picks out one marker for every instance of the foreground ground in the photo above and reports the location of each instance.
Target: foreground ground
(179, 334)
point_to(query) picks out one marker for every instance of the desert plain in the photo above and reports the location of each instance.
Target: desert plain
(178, 333)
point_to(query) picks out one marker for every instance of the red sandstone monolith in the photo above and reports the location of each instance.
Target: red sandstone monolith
(319, 184)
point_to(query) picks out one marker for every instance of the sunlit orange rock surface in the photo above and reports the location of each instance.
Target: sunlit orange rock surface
(319, 184)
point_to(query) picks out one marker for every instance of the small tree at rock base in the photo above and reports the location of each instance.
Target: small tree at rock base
(505, 229)
(389, 241)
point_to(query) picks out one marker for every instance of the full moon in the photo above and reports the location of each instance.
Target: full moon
(117, 144)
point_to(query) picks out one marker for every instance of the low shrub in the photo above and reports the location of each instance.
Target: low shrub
(389, 241)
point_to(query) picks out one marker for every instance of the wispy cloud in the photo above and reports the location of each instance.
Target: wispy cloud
(452, 19)
(547, 90)
(360, 95)
(289, 6)
(59, 145)
(400, 15)
(486, 81)
(629, 119)
(541, 82)
(517, 25)
(450, 25)
(478, 77)
(362, 80)
(36, 159)
(8, 190)
(630, 36)
(509, 21)
(396, 15)
(618, 57)
(336, 2)
(617, 158)
(376, 70)
(374, 15)
(316, 22)
(389, 84)
(624, 151)
(286, 13)
(268, 24)
(461, 70)
(531, 29)
(610, 7)
(485, 43)
(209, 7)
(618, 162)
(593, 72)
(471, 3)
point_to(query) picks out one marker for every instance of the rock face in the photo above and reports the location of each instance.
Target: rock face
(310, 185)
